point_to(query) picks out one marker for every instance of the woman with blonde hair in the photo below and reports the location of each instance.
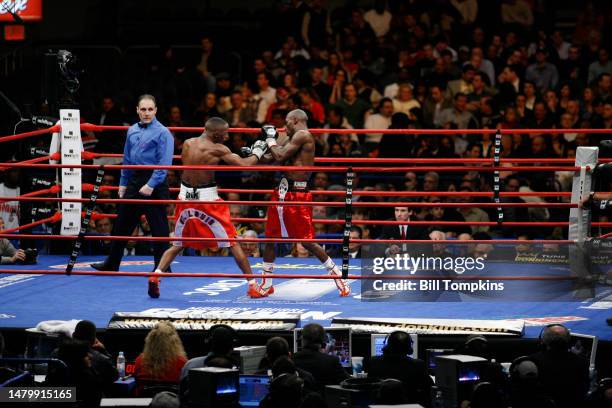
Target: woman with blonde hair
(162, 359)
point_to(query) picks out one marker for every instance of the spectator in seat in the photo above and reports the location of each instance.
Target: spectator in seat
(9, 254)
(354, 108)
(435, 104)
(325, 369)
(457, 116)
(79, 373)
(405, 101)
(603, 65)
(110, 141)
(463, 84)
(542, 73)
(162, 359)
(276, 348)
(101, 360)
(221, 339)
(379, 120)
(396, 363)
(563, 374)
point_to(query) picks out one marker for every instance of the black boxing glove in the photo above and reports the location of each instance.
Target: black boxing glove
(245, 152)
(258, 149)
(269, 134)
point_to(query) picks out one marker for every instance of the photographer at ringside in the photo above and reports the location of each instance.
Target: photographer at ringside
(10, 254)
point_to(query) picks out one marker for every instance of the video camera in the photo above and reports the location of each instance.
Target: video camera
(31, 256)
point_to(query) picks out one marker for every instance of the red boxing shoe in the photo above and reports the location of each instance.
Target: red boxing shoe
(256, 291)
(342, 284)
(154, 287)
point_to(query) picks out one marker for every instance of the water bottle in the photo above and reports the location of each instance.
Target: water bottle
(436, 400)
(592, 378)
(121, 364)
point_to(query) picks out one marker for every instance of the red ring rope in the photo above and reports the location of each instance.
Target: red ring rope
(294, 203)
(285, 276)
(289, 240)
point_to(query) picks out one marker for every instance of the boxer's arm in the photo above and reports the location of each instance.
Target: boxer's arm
(287, 151)
(233, 159)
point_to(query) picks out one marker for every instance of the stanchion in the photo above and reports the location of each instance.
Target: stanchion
(348, 218)
(85, 222)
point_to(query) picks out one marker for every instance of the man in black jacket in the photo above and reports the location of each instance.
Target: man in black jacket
(277, 347)
(101, 360)
(402, 231)
(563, 374)
(325, 369)
(396, 363)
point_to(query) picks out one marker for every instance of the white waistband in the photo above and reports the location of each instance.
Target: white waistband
(200, 194)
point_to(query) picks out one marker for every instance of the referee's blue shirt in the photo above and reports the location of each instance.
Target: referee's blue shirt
(148, 144)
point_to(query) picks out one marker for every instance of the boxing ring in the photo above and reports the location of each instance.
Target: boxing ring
(49, 290)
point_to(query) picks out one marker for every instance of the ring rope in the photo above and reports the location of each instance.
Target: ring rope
(288, 276)
(291, 240)
(333, 169)
(294, 203)
(443, 132)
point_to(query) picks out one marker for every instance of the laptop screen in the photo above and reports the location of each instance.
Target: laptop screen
(584, 345)
(253, 388)
(378, 342)
(337, 343)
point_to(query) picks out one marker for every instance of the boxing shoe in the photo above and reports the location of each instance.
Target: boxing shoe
(154, 287)
(256, 291)
(342, 284)
(102, 266)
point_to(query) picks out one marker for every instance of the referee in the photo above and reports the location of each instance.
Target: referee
(148, 143)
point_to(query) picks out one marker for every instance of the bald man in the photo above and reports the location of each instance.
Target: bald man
(294, 221)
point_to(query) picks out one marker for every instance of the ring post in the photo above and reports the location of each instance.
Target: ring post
(348, 221)
(76, 249)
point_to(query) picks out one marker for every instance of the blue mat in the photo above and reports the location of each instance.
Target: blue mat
(26, 300)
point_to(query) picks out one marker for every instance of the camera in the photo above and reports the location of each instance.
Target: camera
(31, 256)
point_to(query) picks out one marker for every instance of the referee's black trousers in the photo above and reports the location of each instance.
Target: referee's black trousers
(129, 215)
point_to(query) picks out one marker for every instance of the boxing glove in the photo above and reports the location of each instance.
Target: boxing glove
(245, 152)
(259, 148)
(270, 135)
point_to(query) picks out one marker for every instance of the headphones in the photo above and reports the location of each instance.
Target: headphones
(210, 334)
(515, 364)
(410, 348)
(275, 382)
(548, 326)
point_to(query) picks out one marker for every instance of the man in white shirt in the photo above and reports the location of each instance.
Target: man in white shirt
(9, 210)
(380, 120)
(379, 18)
(266, 95)
(404, 100)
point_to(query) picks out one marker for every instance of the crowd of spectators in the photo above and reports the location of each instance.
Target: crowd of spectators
(556, 376)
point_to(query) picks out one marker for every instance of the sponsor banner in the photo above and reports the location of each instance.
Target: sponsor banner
(204, 318)
(71, 147)
(432, 326)
(28, 10)
(465, 271)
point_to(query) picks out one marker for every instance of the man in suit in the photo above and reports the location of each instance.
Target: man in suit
(563, 374)
(111, 141)
(402, 231)
(325, 369)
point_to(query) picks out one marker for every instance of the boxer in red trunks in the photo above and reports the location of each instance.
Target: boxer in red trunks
(294, 221)
(207, 220)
